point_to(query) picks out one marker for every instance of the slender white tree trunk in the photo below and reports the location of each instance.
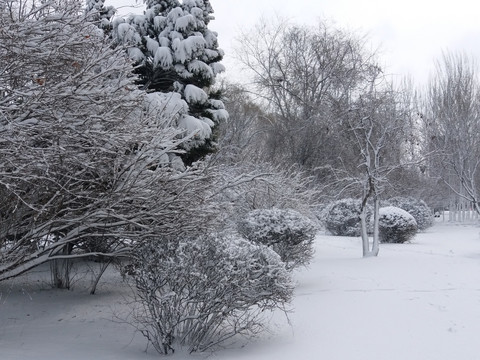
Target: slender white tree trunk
(363, 228)
(376, 216)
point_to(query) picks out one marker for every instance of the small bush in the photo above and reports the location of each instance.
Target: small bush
(343, 217)
(286, 231)
(396, 225)
(201, 292)
(417, 208)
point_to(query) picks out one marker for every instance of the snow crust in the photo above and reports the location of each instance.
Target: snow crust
(217, 68)
(220, 115)
(193, 125)
(164, 105)
(152, 45)
(186, 49)
(163, 57)
(135, 54)
(195, 95)
(126, 34)
(182, 23)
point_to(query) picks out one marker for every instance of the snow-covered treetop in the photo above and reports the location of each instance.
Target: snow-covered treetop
(162, 5)
(176, 52)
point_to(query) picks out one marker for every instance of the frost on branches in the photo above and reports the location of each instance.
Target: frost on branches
(199, 293)
(177, 53)
(83, 172)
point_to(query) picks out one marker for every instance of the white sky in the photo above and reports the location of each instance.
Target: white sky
(411, 33)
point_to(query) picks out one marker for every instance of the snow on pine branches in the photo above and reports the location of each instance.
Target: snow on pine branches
(176, 52)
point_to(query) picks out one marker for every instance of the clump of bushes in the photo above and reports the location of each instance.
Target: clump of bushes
(396, 225)
(343, 217)
(199, 293)
(289, 233)
(417, 208)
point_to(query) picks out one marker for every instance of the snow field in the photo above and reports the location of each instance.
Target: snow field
(416, 301)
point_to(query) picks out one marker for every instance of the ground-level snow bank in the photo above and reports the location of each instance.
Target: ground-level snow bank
(415, 301)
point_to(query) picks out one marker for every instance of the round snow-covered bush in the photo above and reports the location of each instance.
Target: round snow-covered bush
(289, 233)
(343, 217)
(198, 293)
(396, 225)
(417, 208)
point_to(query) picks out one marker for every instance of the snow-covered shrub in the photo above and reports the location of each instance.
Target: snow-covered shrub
(92, 160)
(343, 217)
(286, 231)
(396, 225)
(198, 293)
(417, 208)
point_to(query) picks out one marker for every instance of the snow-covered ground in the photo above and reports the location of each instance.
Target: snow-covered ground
(416, 301)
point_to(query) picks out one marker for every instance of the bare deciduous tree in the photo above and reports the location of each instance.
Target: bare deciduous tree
(452, 125)
(377, 119)
(84, 155)
(306, 77)
(240, 138)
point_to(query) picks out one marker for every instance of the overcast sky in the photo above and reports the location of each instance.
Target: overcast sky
(411, 33)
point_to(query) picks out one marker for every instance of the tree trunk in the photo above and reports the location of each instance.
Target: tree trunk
(103, 267)
(363, 229)
(376, 218)
(60, 269)
(367, 252)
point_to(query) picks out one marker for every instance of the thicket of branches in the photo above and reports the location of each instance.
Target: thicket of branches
(451, 121)
(201, 292)
(84, 155)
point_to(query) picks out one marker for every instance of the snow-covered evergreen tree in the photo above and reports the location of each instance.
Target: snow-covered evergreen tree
(177, 53)
(100, 14)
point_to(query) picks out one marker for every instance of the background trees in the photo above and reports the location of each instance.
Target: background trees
(452, 123)
(306, 76)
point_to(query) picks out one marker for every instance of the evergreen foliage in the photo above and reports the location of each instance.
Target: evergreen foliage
(417, 208)
(176, 52)
(396, 225)
(343, 217)
(100, 14)
(286, 231)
